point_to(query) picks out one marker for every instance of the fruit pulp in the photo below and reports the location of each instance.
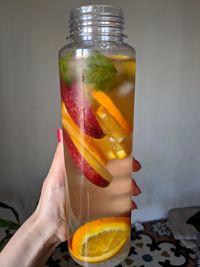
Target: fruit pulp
(97, 118)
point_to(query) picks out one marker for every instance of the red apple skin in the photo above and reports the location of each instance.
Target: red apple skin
(80, 111)
(82, 164)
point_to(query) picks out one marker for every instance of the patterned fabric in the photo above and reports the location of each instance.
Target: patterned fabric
(153, 247)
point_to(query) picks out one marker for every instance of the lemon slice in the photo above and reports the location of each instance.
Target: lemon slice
(101, 239)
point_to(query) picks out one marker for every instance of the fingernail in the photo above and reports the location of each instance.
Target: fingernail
(59, 132)
(135, 188)
(134, 205)
(136, 166)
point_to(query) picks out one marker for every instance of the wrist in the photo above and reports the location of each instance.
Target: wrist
(35, 240)
(45, 230)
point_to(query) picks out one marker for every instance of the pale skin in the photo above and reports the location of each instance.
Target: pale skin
(46, 228)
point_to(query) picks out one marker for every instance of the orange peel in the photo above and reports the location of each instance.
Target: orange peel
(100, 239)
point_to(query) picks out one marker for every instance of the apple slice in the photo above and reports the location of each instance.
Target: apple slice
(80, 110)
(85, 153)
(86, 142)
(86, 163)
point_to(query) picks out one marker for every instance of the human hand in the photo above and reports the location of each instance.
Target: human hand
(37, 238)
(51, 209)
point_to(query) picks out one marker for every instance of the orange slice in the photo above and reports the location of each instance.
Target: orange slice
(109, 124)
(86, 147)
(105, 101)
(96, 165)
(106, 147)
(84, 140)
(113, 149)
(115, 134)
(120, 150)
(101, 239)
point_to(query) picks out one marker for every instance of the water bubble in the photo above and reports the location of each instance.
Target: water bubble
(104, 44)
(112, 139)
(125, 89)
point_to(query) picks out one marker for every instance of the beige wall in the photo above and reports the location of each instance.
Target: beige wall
(166, 36)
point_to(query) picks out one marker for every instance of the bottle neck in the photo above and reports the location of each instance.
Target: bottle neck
(96, 23)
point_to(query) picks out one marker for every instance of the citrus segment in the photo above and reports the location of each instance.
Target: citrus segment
(100, 239)
(85, 140)
(109, 124)
(113, 149)
(120, 150)
(115, 132)
(106, 147)
(105, 101)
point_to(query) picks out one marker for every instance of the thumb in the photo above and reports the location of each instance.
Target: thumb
(57, 169)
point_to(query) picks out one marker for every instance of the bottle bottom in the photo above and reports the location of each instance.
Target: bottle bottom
(111, 262)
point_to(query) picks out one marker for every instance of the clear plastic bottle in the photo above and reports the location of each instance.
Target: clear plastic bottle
(97, 77)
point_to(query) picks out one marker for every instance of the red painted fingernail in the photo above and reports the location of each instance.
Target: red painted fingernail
(135, 188)
(136, 166)
(134, 205)
(59, 134)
